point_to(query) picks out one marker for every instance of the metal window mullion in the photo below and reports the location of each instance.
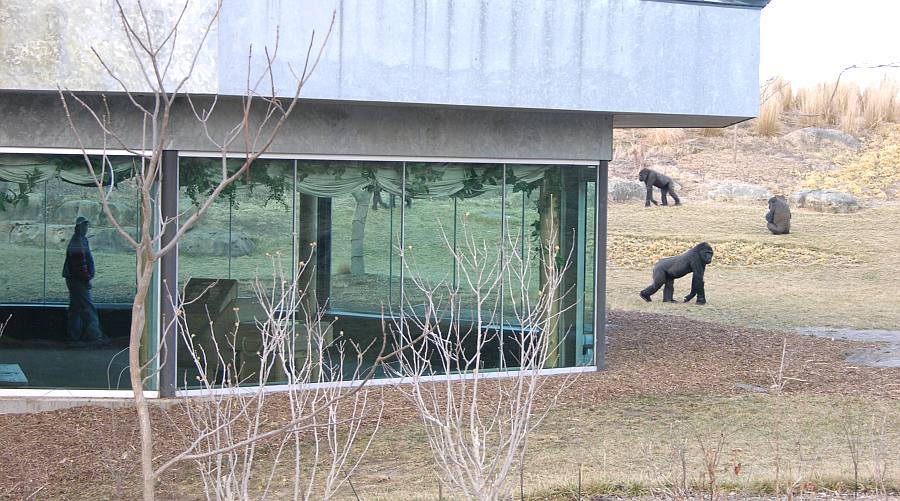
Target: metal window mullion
(580, 263)
(503, 264)
(295, 253)
(600, 213)
(46, 209)
(402, 244)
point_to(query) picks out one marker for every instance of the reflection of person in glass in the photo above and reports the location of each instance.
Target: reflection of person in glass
(83, 323)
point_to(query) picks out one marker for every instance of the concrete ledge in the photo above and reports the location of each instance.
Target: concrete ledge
(34, 405)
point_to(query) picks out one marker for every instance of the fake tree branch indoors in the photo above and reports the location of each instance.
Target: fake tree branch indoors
(156, 52)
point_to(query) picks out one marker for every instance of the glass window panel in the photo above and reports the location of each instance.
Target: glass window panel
(587, 344)
(23, 229)
(66, 332)
(365, 238)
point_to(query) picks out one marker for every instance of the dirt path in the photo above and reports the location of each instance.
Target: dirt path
(885, 355)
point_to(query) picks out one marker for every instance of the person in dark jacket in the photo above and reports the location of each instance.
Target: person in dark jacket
(78, 270)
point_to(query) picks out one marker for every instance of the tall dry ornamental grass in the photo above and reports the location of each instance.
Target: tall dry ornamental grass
(842, 104)
(665, 137)
(767, 124)
(881, 104)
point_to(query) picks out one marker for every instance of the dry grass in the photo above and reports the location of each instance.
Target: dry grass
(711, 132)
(872, 175)
(881, 104)
(636, 252)
(813, 103)
(664, 137)
(844, 104)
(769, 113)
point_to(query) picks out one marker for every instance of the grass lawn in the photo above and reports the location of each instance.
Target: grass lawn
(669, 391)
(835, 269)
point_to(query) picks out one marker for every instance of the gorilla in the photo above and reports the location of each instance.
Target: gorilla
(778, 219)
(651, 178)
(667, 269)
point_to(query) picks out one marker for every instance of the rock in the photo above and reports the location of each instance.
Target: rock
(31, 208)
(623, 190)
(204, 242)
(739, 191)
(32, 234)
(825, 201)
(108, 240)
(751, 388)
(815, 137)
(69, 210)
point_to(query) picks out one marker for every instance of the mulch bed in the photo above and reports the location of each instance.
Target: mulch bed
(90, 452)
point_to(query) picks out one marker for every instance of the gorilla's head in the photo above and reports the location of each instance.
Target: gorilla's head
(776, 201)
(642, 175)
(705, 251)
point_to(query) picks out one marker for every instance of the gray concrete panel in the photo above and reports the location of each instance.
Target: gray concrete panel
(630, 56)
(636, 57)
(318, 128)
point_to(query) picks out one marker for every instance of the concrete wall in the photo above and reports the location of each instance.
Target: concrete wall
(317, 128)
(647, 62)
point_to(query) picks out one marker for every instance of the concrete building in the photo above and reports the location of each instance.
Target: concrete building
(465, 118)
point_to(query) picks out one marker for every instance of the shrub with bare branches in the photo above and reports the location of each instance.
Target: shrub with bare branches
(476, 424)
(316, 445)
(165, 71)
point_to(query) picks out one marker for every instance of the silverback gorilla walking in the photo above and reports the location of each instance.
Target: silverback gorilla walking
(667, 269)
(651, 178)
(778, 219)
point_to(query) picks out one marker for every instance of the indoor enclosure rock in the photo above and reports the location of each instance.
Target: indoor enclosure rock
(204, 242)
(825, 201)
(739, 191)
(32, 234)
(30, 208)
(69, 210)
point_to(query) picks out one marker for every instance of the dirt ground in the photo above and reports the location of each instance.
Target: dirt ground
(678, 375)
(90, 453)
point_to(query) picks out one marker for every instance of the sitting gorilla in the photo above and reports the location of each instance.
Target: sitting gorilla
(668, 269)
(651, 178)
(778, 219)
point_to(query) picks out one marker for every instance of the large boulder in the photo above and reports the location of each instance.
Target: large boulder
(739, 191)
(109, 240)
(32, 234)
(825, 201)
(623, 190)
(815, 137)
(205, 242)
(69, 210)
(30, 208)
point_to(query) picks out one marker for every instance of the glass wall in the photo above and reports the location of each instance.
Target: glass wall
(65, 331)
(391, 244)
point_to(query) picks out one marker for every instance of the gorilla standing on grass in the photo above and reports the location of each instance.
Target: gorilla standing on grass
(668, 269)
(778, 219)
(651, 178)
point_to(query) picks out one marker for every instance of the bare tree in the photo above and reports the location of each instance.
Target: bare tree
(231, 421)
(477, 425)
(165, 70)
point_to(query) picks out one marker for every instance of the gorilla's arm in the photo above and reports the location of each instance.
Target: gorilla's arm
(770, 216)
(650, 182)
(697, 284)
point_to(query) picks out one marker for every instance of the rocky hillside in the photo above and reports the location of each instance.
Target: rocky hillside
(738, 163)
